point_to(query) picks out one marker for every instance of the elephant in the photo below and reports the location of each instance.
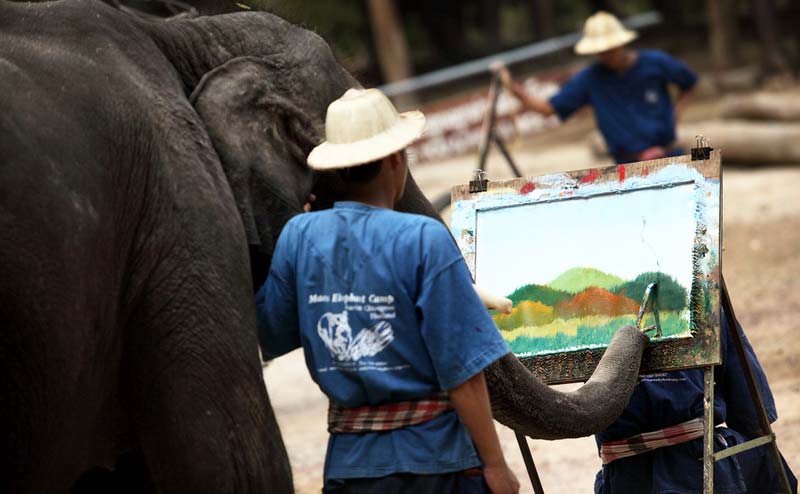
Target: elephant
(146, 170)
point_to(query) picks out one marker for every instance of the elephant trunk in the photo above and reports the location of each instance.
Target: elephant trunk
(527, 405)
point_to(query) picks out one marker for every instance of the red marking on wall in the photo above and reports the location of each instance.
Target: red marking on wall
(645, 172)
(621, 169)
(527, 188)
(591, 177)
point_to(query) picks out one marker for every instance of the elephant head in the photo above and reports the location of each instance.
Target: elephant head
(263, 100)
(144, 206)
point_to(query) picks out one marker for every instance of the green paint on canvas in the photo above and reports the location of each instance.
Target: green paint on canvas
(547, 320)
(592, 333)
(577, 280)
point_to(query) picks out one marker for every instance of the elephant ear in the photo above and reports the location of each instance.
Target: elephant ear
(264, 115)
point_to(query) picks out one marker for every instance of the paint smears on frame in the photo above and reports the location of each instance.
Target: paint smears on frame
(575, 251)
(576, 268)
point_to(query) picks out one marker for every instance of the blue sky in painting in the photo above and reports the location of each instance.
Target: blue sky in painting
(622, 234)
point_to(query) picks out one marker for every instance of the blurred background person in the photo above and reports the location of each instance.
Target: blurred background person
(628, 90)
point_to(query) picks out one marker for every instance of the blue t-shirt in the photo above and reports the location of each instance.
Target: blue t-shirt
(633, 109)
(666, 399)
(383, 306)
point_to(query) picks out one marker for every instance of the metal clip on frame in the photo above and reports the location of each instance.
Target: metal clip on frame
(701, 151)
(479, 182)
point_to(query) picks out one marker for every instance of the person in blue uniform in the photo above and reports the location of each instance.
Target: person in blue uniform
(392, 330)
(628, 90)
(663, 400)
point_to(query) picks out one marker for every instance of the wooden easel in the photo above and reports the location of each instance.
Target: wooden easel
(488, 137)
(767, 437)
(479, 184)
(702, 152)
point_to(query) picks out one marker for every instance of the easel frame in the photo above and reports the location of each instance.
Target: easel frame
(702, 152)
(767, 437)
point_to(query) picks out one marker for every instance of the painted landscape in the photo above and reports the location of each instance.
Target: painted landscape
(576, 270)
(583, 307)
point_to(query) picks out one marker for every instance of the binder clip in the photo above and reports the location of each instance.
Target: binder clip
(479, 182)
(701, 151)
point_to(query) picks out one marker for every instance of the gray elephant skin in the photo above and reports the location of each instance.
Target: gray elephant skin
(138, 161)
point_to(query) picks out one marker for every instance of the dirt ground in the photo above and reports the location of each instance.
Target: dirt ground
(761, 264)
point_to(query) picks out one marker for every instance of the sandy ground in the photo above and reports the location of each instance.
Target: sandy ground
(761, 260)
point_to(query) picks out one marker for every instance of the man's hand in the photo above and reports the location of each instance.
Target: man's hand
(501, 70)
(652, 153)
(501, 479)
(494, 302)
(528, 101)
(307, 206)
(471, 402)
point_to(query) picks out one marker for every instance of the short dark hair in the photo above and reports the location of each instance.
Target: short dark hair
(360, 174)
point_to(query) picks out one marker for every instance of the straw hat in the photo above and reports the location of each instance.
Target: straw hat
(363, 126)
(602, 32)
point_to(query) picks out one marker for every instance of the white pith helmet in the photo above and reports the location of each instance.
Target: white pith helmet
(602, 32)
(363, 126)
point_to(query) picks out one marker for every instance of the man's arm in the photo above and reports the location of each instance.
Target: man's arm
(276, 301)
(528, 101)
(471, 402)
(461, 340)
(572, 96)
(680, 74)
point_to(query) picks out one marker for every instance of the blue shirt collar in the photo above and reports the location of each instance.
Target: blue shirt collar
(359, 206)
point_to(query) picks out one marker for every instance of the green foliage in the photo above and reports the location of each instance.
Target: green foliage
(671, 295)
(538, 293)
(590, 336)
(576, 280)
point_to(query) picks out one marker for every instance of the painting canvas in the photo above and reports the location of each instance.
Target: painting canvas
(576, 273)
(575, 252)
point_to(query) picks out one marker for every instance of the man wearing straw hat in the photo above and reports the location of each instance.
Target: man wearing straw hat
(628, 90)
(392, 330)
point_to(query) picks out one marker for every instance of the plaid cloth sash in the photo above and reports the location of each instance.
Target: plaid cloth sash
(386, 417)
(648, 441)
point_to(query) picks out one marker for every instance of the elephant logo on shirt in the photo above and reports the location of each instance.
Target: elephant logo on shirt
(335, 331)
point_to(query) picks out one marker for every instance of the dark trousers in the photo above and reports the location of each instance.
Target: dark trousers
(466, 482)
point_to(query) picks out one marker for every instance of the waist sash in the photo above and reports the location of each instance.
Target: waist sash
(390, 416)
(648, 441)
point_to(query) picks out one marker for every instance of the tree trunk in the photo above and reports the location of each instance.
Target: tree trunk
(773, 62)
(765, 106)
(543, 18)
(390, 40)
(722, 34)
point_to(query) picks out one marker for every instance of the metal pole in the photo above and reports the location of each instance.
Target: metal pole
(527, 457)
(708, 436)
(501, 145)
(525, 53)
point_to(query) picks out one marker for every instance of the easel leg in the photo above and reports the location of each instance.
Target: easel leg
(755, 393)
(527, 457)
(501, 145)
(487, 132)
(708, 435)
